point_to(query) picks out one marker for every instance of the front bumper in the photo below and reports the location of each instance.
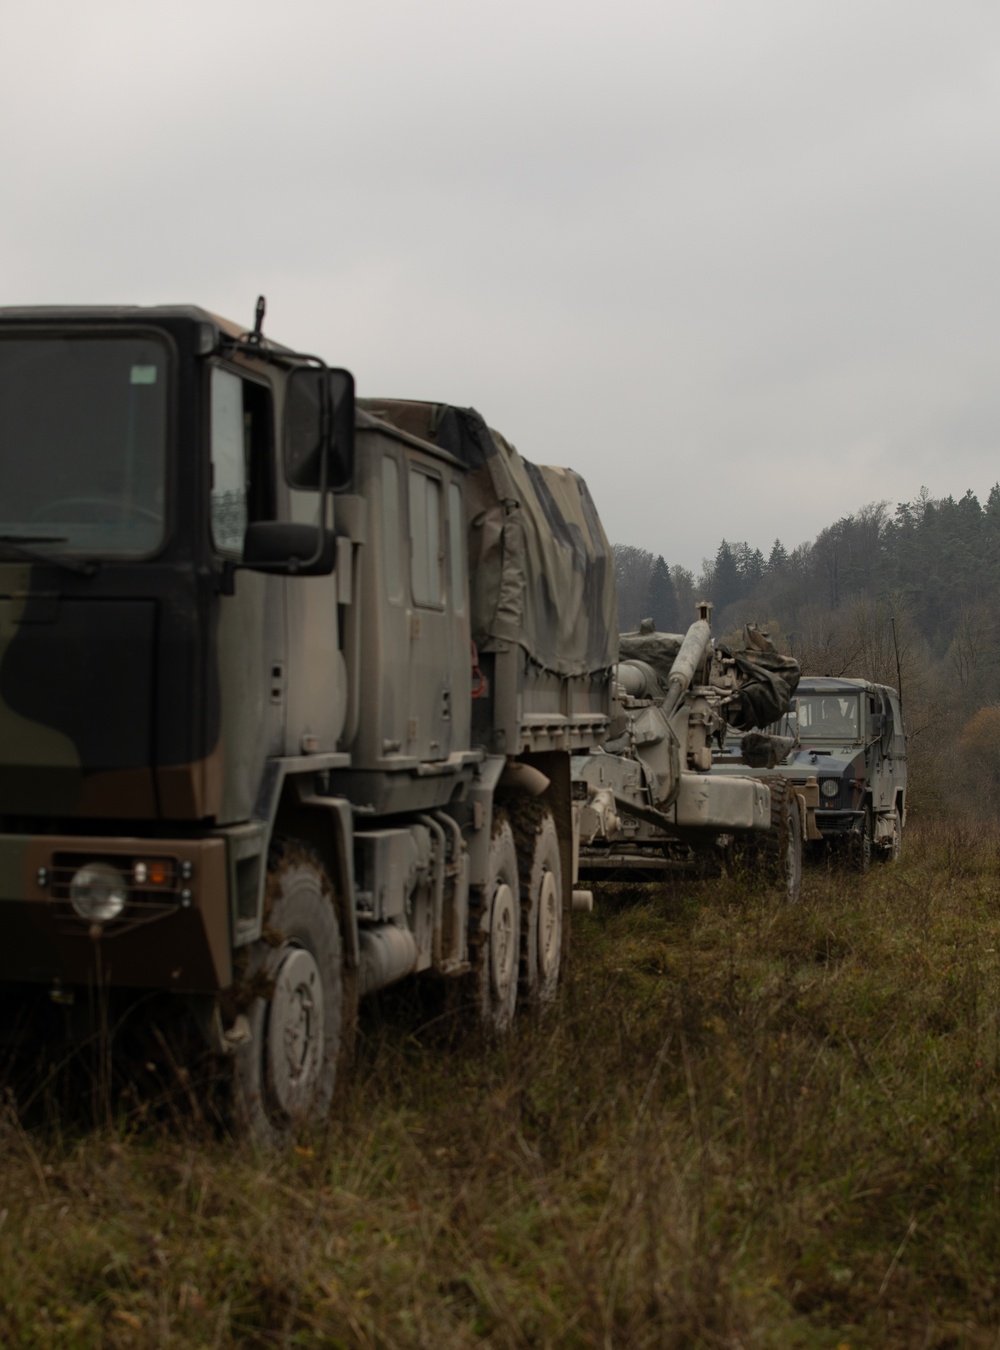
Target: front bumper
(838, 824)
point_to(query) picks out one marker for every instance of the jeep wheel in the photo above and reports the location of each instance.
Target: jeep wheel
(859, 849)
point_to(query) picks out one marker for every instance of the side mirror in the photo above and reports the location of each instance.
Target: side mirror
(878, 721)
(319, 421)
(279, 546)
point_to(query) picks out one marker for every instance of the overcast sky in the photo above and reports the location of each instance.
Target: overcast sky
(736, 261)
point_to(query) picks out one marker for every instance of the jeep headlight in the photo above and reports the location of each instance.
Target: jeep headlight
(98, 892)
(830, 787)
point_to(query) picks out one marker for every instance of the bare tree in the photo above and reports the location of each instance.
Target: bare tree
(824, 643)
(684, 590)
(633, 567)
(980, 748)
(971, 655)
(883, 649)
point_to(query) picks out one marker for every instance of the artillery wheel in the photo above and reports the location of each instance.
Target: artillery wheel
(781, 848)
(495, 934)
(540, 874)
(285, 1075)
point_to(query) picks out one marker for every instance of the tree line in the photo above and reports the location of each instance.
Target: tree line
(908, 596)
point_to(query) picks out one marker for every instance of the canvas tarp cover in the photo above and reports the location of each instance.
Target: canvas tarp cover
(541, 569)
(767, 682)
(658, 650)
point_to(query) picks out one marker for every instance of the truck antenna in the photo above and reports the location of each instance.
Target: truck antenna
(256, 337)
(899, 669)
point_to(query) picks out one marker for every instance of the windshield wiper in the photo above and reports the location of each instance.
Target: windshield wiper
(18, 544)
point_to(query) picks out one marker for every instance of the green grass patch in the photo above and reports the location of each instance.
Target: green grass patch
(744, 1124)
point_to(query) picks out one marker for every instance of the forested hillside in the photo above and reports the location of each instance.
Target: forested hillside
(909, 597)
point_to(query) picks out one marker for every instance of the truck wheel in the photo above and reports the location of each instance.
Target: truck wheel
(859, 849)
(286, 1074)
(781, 849)
(495, 934)
(541, 910)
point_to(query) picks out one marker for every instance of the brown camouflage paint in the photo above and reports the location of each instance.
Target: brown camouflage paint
(155, 944)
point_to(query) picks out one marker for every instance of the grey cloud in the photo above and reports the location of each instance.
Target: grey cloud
(701, 252)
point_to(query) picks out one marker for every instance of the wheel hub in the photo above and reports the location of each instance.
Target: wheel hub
(503, 954)
(295, 1039)
(549, 926)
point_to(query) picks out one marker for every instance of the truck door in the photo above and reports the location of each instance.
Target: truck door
(251, 638)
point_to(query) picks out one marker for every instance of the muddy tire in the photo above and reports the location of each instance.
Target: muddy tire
(540, 876)
(793, 853)
(298, 1016)
(780, 854)
(495, 934)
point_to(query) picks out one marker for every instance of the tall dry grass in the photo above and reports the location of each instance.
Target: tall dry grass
(744, 1124)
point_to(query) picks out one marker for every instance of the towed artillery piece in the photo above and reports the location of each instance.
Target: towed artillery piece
(648, 799)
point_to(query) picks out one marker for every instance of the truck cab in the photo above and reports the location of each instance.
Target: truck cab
(168, 628)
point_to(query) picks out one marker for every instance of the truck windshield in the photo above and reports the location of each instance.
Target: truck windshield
(82, 443)
(824, 717)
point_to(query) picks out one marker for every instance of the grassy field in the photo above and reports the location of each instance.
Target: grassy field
(744, 1125)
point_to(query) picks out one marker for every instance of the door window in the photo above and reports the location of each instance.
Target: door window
(391, 533)
(456, 548)
(425, 539)
(230, 469)
(240, 441)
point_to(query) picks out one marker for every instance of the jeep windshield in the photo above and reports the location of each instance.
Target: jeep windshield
(828, 717)
(83, 432)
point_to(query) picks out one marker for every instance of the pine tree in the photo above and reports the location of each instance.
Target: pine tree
(661, 599)
(778, 558)
(752, 569)
(727, 584)
(991, 535)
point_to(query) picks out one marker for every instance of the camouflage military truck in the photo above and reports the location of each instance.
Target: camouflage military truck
(648, 798)
(843, 741)
(289, 686)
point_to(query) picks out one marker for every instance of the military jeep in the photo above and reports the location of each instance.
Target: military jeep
(848, 736)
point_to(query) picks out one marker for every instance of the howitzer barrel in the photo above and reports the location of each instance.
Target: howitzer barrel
(686, 662)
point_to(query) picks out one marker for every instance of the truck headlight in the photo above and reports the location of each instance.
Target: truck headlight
(98, 892)
(830, 787)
